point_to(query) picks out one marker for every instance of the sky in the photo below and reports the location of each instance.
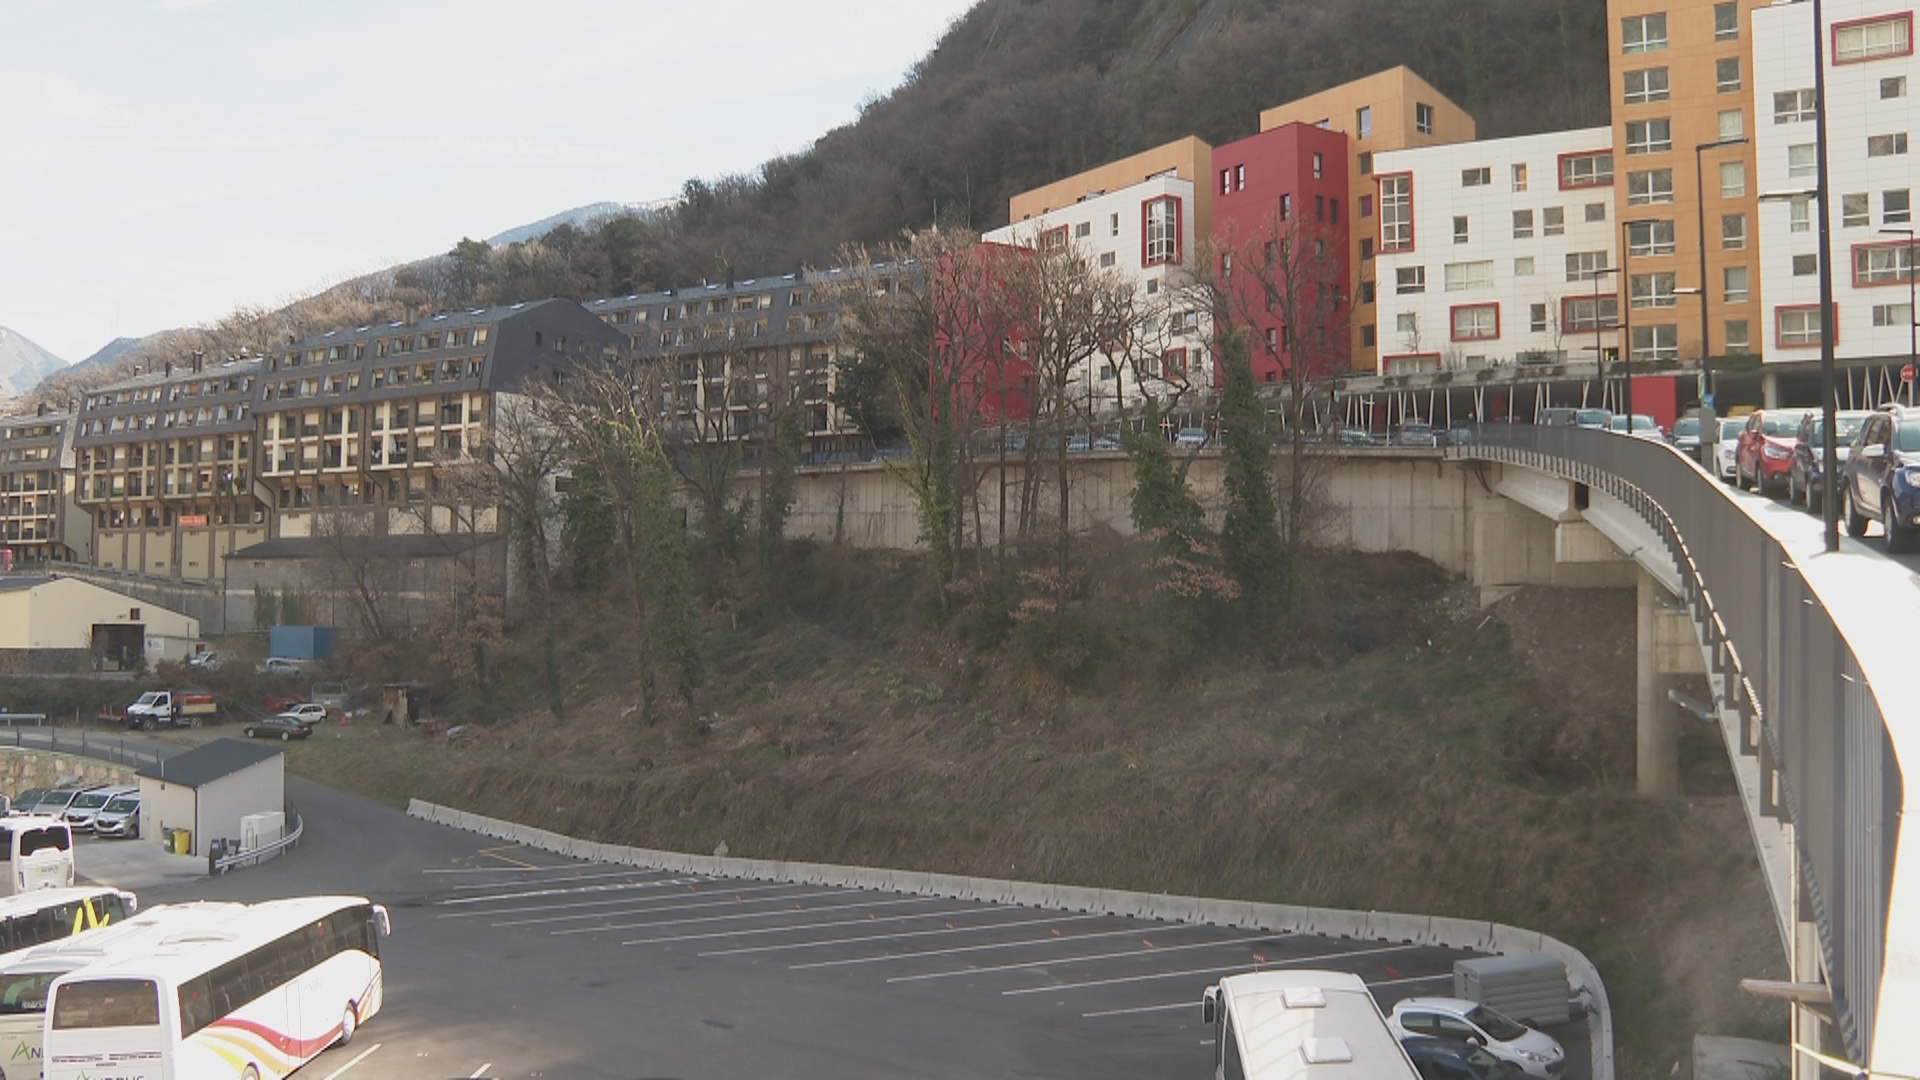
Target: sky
(163, 162)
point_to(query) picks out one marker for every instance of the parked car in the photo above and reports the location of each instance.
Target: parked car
(1685, 436)
(1533, 1052)
(1598, 419)
(1349, 437)
(1558, 417)
(87, 805)
(282, 726)
(57, 801)
(1804, 480)
(1765, 448)
(280, 665)
(1190, 438)
(1080, 442)
(1415, 433)
(209, 660)
(120, 817)
(1639, 425)
(1461, 436)
(1725, 447)
(23, 802)
(1450, 1059)
(1881, 481)
(307, 712)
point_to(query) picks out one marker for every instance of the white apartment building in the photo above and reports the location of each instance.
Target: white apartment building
(1146, 232)
(1871, 75)
(1499, 252)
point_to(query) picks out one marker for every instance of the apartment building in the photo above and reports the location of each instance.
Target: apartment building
(38, 516)
(1283, 212)
(164, 465)
(1502, 251)
(733, 355)
(1190, 159)
(1389, 110)
(1145, 232)
(1870, 120)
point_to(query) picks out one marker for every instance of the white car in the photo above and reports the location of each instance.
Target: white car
(307, 712)
(1727, 446)
(1535, 1052)
(1640, 426)
(279, 665)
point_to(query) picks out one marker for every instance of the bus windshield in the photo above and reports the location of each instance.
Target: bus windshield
(25, 993)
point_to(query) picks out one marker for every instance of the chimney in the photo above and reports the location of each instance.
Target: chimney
(41, 410)
(169, 370)
(729, 277)
(199, 361)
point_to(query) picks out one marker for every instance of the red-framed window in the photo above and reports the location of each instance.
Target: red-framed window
(1396, 211)
(1474, 322)
(1797, 326)
(1160, 231)
(1882, 264)
(1053, 240)
(1877, 37)
(1173, 364)
(1577, 313)
(1586, 169)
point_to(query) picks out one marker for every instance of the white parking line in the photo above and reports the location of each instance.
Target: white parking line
(630, 875)
(577, 890)
(1200, 971)
(742, 915)
(1448, 976)
(1141, 1009)
(989, 945)
(718, 901)
(918, 933)
(868, 921)
(1148, 951)
(477, 1073)
(342, 1070)
(639, 903)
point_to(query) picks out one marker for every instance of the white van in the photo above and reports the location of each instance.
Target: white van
(38, 852)
(1302, 1025)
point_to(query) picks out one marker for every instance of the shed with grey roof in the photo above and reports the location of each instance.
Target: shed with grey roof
(208, 789)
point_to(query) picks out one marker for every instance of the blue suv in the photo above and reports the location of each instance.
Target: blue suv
(1882, 478)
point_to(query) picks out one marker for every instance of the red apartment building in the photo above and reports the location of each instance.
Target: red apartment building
(979, 345)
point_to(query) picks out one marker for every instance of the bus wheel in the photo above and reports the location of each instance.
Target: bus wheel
(348, 1022)
(251, 1073)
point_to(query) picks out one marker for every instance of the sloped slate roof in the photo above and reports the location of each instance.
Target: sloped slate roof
(206, 763)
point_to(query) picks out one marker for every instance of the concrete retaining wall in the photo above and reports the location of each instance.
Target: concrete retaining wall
(23, 769)
(1244, 914)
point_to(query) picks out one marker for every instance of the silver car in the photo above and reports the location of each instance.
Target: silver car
(120, 817)
(87, 805)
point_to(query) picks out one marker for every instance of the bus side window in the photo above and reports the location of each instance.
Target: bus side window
(110, 908)
(1230, 1066)
(6, 844)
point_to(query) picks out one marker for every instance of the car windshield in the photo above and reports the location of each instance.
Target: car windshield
(1593, 416)
(92, 800)
(1782, 425)
(125, 804)
(1687, 426)
(1731, 429)
(1906, 437)
(1496, 1024)
(1643, 422)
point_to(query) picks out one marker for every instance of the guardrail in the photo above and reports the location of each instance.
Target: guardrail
(15, 719)
(1467, 934)
(80, 743)
(259, 854)
(1807, 708)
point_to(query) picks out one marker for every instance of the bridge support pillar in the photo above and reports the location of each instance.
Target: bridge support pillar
(1657, 732)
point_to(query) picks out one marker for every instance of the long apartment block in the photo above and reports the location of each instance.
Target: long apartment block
(38, 516)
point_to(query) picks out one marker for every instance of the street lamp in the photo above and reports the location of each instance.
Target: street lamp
(1829, 442)
(1599, 351)
(1913, 326)
(1709, 425)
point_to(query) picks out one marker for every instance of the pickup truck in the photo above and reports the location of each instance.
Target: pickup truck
(170, 708)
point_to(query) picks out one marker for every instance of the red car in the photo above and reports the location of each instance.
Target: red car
(1764, 455)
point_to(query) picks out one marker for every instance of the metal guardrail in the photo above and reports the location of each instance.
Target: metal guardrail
(79, 742)
(15, 719)
(266, 851)
(1823, 742)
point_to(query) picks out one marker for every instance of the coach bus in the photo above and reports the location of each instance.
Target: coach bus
(253, 998)
(38, 850)
(43, 915)
(1302, 1025)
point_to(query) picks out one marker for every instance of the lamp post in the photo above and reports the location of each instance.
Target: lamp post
(1829, 443)
(1709, 423)
(1599, 351)
(1913, 325)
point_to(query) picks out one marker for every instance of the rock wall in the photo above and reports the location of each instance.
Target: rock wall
(23, 769)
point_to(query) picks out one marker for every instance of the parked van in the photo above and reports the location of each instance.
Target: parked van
(38, 853)
(86, 805)
(1271, 1024)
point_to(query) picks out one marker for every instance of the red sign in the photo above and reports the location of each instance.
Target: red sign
(1906, 373)
(190, 520)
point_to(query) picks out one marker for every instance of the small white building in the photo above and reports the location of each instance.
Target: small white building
(208, 789)
(1144, 231)
(1501, 262)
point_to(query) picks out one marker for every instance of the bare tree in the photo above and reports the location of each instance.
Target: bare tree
(355, 567)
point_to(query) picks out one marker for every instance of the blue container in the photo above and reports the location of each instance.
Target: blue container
(302, 642)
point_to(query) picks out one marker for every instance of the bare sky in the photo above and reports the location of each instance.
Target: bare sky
(165, 161)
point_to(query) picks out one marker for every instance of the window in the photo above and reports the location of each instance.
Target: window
(1396, 212)
(1733, 179)
(1801, 161)
(1797, 327)
(1366, 292)
(1800, 213)
(1726, 75)
(1366, 336)
(1649, 136)
(1893, 87)
(1882, 264)
(1106, 260)
(1586, 170)
(1737, 339)
(1113, 229)
(1160, 242)
(1406, 323)
(1319, 208)
(1366, 163)
(1520, 177)
(1854, 210)
(1523, 224)
(1649, 238)
(1408, 280)
(1733, 232)
(1476, 322)
(1585, 265)
(1733, 284)
(1523, 266)
(1537, 318)
(1887, 145)
(1553, 221)
(1643, 33)
(1596, 211)
(1053, 240)
(1480, 177)
(1460, 229)
(1226, 181)
(1366, 248)
(1363, 121)
(1791, 106)
(1893, 315)
(1651, 291)
(1726, 20)
(1656, 343)
(1083, 230)
(1649, 186)
(1645, 85)
(1286, 206)
(1896, 207)
(1806, 265)
(1733, 124)
(1423, 118)
(1319, 166)
(1469, 275)
(1589, 313)
(1366, 206)
(1870, 39)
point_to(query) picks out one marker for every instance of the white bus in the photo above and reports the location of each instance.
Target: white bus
(254, 998)
(1301, 1025)
(25, 976)
(38, 850)
(43, 915)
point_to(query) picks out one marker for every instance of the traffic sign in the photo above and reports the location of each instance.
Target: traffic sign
(1906, 373)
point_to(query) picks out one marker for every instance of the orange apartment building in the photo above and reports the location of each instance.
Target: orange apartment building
(1191, 159)
(1389, 110)
(1681, 90)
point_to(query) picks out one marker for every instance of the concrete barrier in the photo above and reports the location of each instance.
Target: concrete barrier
(1383, 926)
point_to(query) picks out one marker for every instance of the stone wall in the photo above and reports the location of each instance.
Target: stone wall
(23, 769)
(45, 661)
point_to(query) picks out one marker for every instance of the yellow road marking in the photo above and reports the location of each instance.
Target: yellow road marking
(494, 853)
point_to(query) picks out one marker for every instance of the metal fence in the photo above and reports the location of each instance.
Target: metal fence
(1823, 743)
(79, 742)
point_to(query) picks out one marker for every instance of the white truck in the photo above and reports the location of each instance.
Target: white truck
(170, 708)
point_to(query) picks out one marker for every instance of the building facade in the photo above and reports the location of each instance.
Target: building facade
(38, 516)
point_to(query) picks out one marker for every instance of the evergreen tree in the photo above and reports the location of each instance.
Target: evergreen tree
(1250, 535)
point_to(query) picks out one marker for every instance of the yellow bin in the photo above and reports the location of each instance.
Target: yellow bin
(182, 841)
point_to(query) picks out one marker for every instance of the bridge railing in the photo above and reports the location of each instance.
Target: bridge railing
(1824, 747)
